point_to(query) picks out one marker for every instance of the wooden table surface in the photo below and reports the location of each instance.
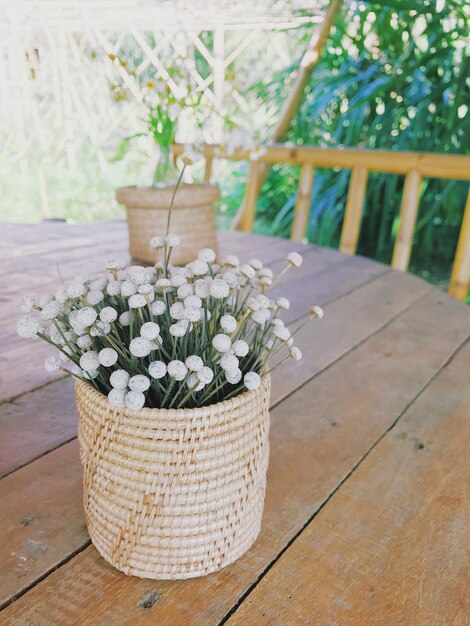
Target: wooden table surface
(367, 510)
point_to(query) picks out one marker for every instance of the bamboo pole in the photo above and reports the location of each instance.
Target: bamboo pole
(408, 213)
(460, 279)
(307, 65)
(302, 207)
(354, 207)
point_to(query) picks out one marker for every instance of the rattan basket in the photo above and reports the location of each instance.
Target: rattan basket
(174, 493)
(192, 219)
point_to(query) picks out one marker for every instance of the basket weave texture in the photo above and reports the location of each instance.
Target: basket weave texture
(174, 493)
(192, 219)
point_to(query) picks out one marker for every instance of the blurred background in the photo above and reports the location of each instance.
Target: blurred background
(392, 75)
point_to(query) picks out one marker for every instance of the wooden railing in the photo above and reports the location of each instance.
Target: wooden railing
(414, 165)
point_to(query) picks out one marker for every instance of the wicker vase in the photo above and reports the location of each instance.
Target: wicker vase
(192, 218)
(174, 493)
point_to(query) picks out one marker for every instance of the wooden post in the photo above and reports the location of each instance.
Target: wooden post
(354, 208)
(251, 197)
(302, 207)
(307, 65)
(460, 279)
(408, 213)
(208, 170)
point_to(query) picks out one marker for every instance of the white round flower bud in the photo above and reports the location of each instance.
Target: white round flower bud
(256, 264)
(229, 362)
(247, 271)
(194, 363)
(259, 317)
(173, 240)
(94, 297)
(125, 318)
(89, 361)
(265, 272)
(100, 329)
(193, 383)
(252, 381)
(178, 330)
(163, 284)
(119, 379)
(295, 353)
(193, 302)
(202, 288)
(157, 369)
(140, 347)
(91, 375)
(51, 310)
(232, 261)
(233, 376)
(28, 326)
(192, 314)
(231, 279)
(76, 290)
(317, 312)
(108, 314)
(177, 369)
(116, 398)
(114, 288)
(139, 382)
(128, 288)
(27, 303)
(177, 280)
(86, 316)
(137, 301)
(157, 243)
(240, 348)
(61, 294)
(207, 255)
(281, 332)
(205, 375)
(228, 323)
(112, 265)
(134, 400)
(177, 310)
(84, 342)
(150, 330)
(158, 307)
(283, 303)
(108, 357)
(221, 342)
(219, 288)
(137, 274)
(252, 303)
(295, 259)
(52, 363)
(198, 267)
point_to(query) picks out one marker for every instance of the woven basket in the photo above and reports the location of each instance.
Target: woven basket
(174, 493)
(192, 218)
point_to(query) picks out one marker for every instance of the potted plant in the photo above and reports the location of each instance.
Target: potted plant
(165, 103)
(172, 367)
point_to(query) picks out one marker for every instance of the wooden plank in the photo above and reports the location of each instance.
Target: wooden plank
(208, 170)
(302, 207)
(392, 545)
(353, 212)
(460, 279)
(408, 213)
(251, 196)
(320, 433)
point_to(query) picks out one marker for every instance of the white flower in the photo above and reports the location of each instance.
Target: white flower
(137, 301)
(61, 294)
(76, 371)
(84, 342)
(294, 258)
(265, 272)
(112, 265)
(177, 369)
(247, 271)
(198, 267)
(100, 329)
(240, 348)
(28, 326)
(108, 314)
(193, 302)
(43, 300)
(157, 369)
(256, 264)
(277, 322)
(201, 288)
(193, 383)
(192, 314)
(281, 332)
(158, 307)
(116, 398)
(178, 330)
(177, 310)
(317, 312)
(221, 342)
(140, 347)
(89, 361)
(139, 382)
(147, 290)
(194, 363)
(295, 353)
(185, 290)
(233, 376)
(27, 303)
(76, 290)
(283, 303)
(252, 303)
(219, 288)
(91, 375)
(86, 316)
(125, 318)
(150, 330)
(51, 310)
(173, 240)
(177, 280)
(99, 283)
(231, 278)
(252, 381)
(207, 255)
(128, 288)
(108, 357)
(94, 297)
(114, 287)
(134, 400)
(119, 379)
(229, 362)
(137, 274)
(259, 317)
(232, 261)
(265, 282)
(228, 323)
(205, 375)
(52, 363)
(157, 242)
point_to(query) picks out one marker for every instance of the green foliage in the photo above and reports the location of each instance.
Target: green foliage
(393, 76)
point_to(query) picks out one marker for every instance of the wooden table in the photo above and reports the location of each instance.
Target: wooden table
(367, 515)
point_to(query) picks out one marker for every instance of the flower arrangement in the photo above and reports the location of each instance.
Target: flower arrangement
(168, 336)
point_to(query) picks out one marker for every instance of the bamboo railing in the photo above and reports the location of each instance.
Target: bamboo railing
(414, 165)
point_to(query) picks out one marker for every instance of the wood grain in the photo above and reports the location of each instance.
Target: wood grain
(319, 434)
(392, 545)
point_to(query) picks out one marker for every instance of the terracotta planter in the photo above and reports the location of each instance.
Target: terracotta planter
(192, 218)
(173, 493)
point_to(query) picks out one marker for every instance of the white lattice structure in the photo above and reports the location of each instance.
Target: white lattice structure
(55, 103)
